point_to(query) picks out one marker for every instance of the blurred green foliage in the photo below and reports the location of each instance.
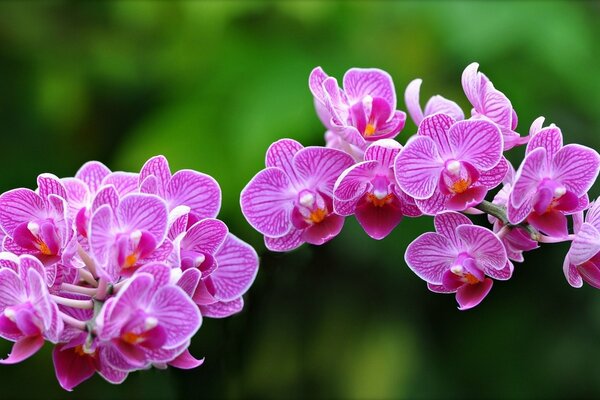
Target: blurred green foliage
(211, 85)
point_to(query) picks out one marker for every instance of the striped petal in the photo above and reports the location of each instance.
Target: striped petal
(417, 168)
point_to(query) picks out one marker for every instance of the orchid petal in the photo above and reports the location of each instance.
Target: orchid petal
(440, 105)
(196, 190)
(552, 223)
(18, 206)
(493, 177)
(585, 245)
(361, 82)
(92, 174)
(205, 236)
(446, 223)
(124, 182)
(315, 83)
(144, 212)
(157, 166)
(529, 175)
(437, 127)
(222, 309)
(324, 231)
(478, 142)
(176, 313)
(411, 98)
(23, 349)
(576, 167)
(238, 266)
(267, 202)
(355, 181)
(549, 138)
(571, 274)
(320, 167)
(71, 368)
(417, 168)
(379, 221)
(384, 151)
(485, 247)
(50, 184)
(469, 296)
(429, 256)
(281, 155)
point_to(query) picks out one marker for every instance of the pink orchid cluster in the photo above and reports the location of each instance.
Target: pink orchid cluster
(117, 269)
(445, 170)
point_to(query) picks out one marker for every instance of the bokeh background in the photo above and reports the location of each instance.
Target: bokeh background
(211, 85)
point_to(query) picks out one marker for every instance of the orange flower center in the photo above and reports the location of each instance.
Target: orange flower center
(370, 129)
(132, 338)
(461, 185)
(377, 202)
(317, 216)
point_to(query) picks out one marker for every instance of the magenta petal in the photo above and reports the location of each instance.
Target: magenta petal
(437, 127)
(189, 281)
(18, 206)
(497, 107)
(176, 313)
(478, 142)
(222, 309)
(572, 274)
(106, 195)
(493, 177)
(238, 266)
(12, 291)
(590, 273)
(205, 236)
(281, 155)
(320, 166)
(378, 222)
(552, 223)
(186, 361)
(267, 202)
(434, 204)
(157, 166)
(288, 242)
(516, 215)
(483, 245)
(50, 184)
(429, 256)
(361, 82)
(23, 349)
(530, 174)
(315, 83)
(200, 192)
(411, 98)
(324, 231)
(576, 167)
(585, 245)
(502, 274)
(124, 182)
(71, 368)
(472, 85)
(440, 105)
(549, 138)
(92, 174)
(469, 198)
(417, 168)
(391, 128)
(355, 181)
(451, 282)
(468, 296)
(144, 212)
(384, 151)
(446, 223)
(101, 237)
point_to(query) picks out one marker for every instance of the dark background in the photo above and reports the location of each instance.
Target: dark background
(211, 85)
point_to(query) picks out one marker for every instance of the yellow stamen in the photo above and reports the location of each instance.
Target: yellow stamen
(471, 279)
(130, 260)
(370, 129)
(460, 185)
(318, 215)
(132, 338)
(44, 249)
(377, 202)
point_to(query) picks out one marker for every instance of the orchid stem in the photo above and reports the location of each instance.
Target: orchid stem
(87, 260)
(500, 213)
(84, 304)
(67, 287)
(74, 322)
(87, 276)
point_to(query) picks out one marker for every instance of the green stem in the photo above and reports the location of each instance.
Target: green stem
(500, 213)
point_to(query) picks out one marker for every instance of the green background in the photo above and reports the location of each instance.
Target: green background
(211, 85)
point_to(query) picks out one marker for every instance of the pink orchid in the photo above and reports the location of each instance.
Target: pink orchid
(363, 111)
(368, 190)
(121, 239)
(290, 202)
(457, 258)
(450, 165)
(149, 320)
(552, 182)
(28, 316)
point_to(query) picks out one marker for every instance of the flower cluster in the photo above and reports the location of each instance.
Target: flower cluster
(117, 269)
(446, 170)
